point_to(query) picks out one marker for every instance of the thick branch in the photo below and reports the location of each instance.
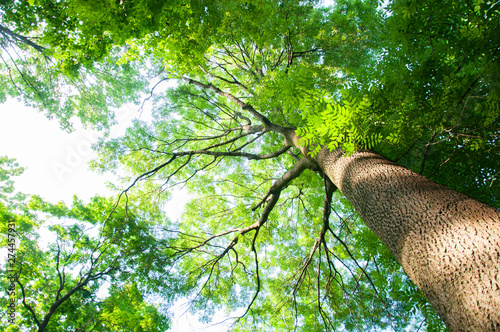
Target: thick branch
(329, 189)
(288, 133)
(60, 301)
(234, 81)
(282, 183)
(18, 38)
(327, 205)
(272, 196)
(61, 275)
(26, 305)
(285, 131)
(176, 155)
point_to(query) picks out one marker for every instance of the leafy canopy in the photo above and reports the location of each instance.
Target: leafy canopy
(264, 237)
(81, 268)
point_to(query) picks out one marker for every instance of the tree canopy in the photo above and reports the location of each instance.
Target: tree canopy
(62, 257)
(265, 237)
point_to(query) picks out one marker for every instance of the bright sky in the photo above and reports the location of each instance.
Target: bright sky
(55, 161)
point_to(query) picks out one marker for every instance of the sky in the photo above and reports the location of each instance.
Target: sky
(55, 161)
(56, 168)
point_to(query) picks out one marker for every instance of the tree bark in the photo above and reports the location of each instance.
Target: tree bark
(447, 242)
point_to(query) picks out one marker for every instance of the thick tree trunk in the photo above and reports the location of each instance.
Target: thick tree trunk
(447, 243)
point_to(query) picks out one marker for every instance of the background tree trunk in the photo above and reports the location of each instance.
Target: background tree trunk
(447, 242)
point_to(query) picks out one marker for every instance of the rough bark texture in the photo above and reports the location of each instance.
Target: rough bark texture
(447, 242)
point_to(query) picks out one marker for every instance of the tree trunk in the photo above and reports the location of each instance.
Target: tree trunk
(447, 242)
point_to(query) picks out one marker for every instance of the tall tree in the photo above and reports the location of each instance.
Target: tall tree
(280, 103)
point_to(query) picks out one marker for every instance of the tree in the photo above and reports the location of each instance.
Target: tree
(273, 94)
(54, 285)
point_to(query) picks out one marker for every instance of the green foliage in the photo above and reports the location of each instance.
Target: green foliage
(338, 124)
(125, 310)
(8, 168)
(48, 61)
(298, 69)
(65, 258)
(429, 98)
(442, 62)
(415, 81)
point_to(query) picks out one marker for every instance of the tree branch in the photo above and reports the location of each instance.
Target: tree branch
(231, 97)
(7, 33)
(282, 183)
(329, 189)
(26, 305)
(234, 81)
(62, 276)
